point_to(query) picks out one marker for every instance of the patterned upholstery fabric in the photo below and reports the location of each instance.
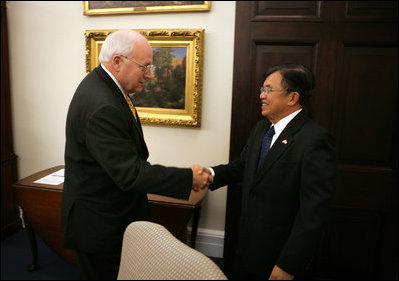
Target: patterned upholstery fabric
(150, 251)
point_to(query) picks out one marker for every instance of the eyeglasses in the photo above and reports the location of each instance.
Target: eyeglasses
(267, 91)
(144, 68)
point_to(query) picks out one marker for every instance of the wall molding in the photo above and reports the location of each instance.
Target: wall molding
(209, 242)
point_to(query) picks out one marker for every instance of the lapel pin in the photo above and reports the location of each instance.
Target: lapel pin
(284, 141)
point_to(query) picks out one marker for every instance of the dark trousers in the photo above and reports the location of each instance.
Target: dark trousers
(97, 266)
(240, 272)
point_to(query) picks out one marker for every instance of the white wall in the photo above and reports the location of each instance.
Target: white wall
(47, 62)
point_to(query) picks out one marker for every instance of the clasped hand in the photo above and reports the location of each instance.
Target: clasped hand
(202, 177)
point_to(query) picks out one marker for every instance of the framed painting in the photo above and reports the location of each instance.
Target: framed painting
(127, 7)
(173, 96)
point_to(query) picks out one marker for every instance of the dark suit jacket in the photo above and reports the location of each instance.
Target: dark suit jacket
(286, 202)
(107, 175)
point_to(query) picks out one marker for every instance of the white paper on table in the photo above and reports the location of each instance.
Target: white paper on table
(55, 178)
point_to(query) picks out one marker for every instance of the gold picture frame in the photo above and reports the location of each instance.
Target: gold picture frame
(91, 8)
(184, 109)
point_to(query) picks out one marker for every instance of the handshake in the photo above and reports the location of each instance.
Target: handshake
(202, 177)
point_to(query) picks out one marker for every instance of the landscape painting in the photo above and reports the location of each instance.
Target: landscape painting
(172, 96)
(167, 87)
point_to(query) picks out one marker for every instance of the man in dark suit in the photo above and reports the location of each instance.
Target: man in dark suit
(107, 176)
(286, 190)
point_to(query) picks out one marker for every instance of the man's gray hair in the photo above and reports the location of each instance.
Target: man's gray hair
(120, 42)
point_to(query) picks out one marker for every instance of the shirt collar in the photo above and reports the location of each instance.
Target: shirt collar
(113, 78)
(280, 125)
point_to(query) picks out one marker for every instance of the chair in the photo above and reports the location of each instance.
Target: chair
(150, 251)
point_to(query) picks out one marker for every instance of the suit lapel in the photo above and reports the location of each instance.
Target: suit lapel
(119, 95)
(285, 140)
(137, 122)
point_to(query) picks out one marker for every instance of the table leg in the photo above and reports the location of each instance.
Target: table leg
(32, 240)
(194, 228)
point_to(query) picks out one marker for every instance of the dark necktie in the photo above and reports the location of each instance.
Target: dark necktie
(267, 140)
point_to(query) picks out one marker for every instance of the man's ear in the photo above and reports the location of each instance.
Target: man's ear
(294, 98)
(116, 62)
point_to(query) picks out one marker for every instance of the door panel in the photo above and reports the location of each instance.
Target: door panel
(366, 78)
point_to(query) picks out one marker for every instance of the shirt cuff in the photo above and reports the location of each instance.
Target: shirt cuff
(212, 171)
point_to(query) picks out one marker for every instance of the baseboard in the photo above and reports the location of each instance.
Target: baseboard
(209, 242)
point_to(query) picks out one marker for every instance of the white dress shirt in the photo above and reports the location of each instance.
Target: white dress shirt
(278, 128)
(280, 125)
(113, 78)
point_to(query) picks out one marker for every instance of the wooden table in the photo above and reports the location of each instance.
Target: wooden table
(40, 207)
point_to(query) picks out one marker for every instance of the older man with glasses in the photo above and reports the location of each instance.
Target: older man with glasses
(107, 176)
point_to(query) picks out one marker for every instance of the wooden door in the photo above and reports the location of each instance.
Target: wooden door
(351, 46)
